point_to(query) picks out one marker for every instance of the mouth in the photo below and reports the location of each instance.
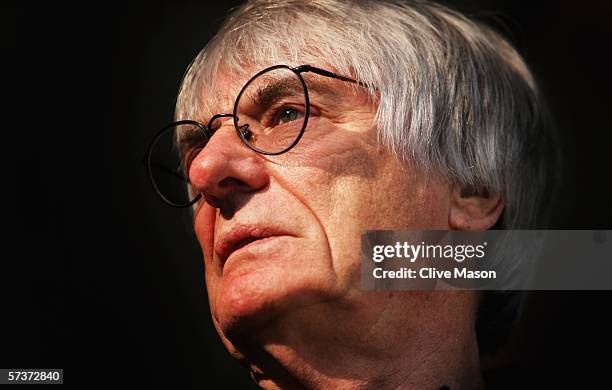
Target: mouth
(241, 236)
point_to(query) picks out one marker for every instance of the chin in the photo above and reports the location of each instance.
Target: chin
(266, 280)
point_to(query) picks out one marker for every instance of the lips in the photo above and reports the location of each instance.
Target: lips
(242, 235)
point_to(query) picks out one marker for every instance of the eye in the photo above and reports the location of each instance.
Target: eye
(246, 132)
(289, 114)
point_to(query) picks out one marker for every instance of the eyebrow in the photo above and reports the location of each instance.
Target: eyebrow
(273, 91)
(286, 87)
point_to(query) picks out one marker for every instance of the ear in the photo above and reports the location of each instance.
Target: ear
(474, 211)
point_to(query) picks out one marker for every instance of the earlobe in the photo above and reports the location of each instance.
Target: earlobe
(471, 210)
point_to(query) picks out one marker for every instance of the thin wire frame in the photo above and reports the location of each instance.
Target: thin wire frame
(306, 110)
(150, 164)
(298, 70)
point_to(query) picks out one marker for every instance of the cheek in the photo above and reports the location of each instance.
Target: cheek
(331, 147)
(430, 206)
(326, 169)
(359, 187)
(338, 182)
(333, 177)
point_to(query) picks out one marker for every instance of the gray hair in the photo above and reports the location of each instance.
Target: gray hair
(452, 94)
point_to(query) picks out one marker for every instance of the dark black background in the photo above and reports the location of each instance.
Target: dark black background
(99, 278)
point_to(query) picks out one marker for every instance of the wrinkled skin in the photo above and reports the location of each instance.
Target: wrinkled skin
(290, 306)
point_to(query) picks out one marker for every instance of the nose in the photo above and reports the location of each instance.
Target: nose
(226, 169)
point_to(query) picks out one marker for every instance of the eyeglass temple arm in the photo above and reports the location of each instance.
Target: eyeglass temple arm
(326, 73)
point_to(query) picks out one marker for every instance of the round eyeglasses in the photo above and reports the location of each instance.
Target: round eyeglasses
(270, 115)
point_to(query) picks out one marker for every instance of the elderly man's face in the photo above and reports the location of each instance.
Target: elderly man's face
(281, 234)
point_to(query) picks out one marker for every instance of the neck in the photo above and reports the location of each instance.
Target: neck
(433, 353)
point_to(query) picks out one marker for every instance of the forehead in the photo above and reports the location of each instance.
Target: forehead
(219, 95)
